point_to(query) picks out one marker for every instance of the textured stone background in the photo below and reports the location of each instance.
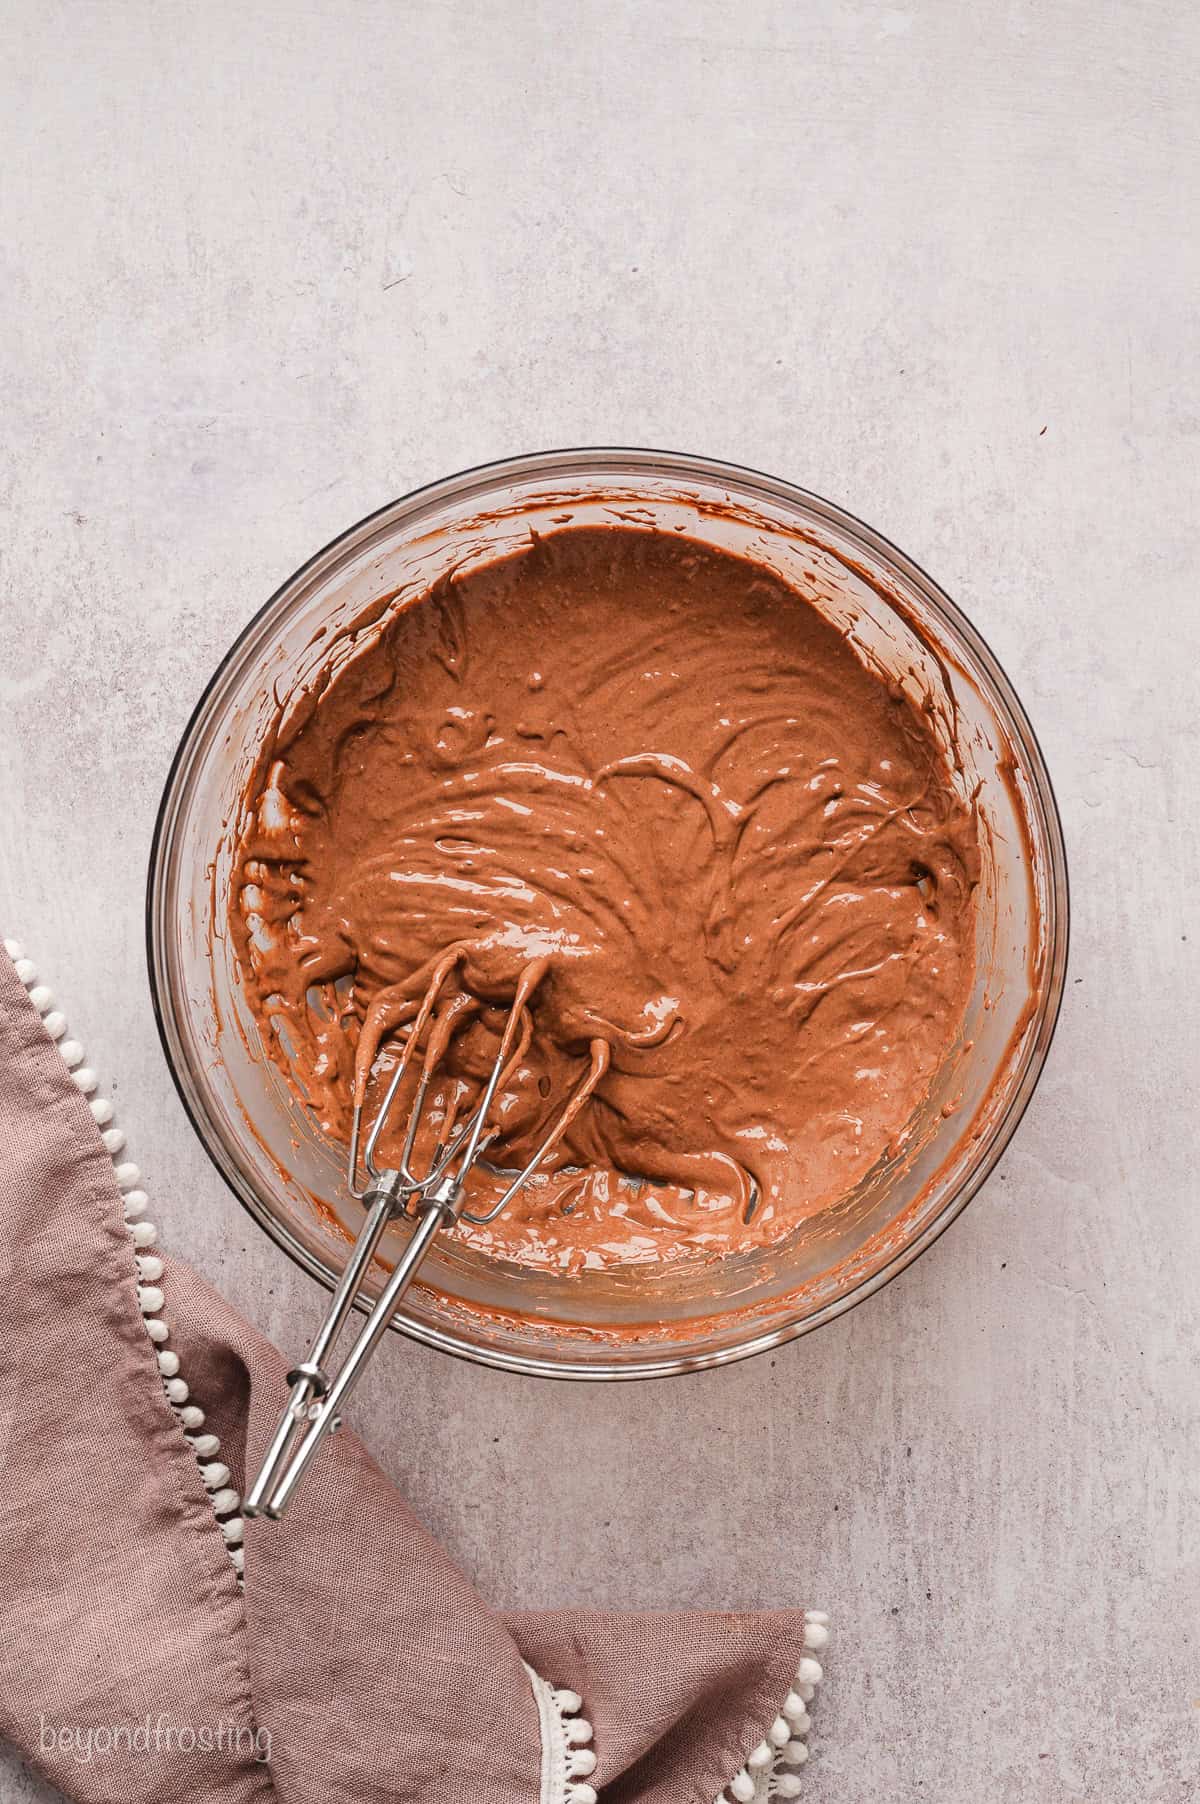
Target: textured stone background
(267, 266)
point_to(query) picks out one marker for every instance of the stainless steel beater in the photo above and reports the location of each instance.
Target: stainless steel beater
(431, 1201)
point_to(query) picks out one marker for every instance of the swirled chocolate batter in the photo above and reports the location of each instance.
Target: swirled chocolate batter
(659, 770)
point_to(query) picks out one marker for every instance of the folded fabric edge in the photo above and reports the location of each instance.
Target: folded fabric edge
(226, 1503)
(771, 1768)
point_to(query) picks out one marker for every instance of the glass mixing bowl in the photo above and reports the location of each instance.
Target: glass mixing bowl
(615, 1324)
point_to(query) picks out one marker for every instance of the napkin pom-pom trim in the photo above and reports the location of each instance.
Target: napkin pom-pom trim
(148, 1268)
(769, 1770)
(568, 1760)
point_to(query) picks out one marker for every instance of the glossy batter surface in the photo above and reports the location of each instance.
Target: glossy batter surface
(740, 853)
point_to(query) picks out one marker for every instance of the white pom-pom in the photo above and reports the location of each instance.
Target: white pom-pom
(790, 1753)
(42, 997)
(143, 1233)
(114, 1140)
(177, 1391)
(583, 1762)
(238, 1558)
(743, 1787)
(102, 1110)
(151, 1267)
(809, 1672)
(192, 1417)
(150, 1299)
(127, 1176)
(816, 1636)
(168, 1364)
(788, 1786)
(568, 1702)
(215, 1476)
(807, 1692)
(780, 1732)
(157, 1330)
(204, 1445)
(55, 1024)
(135, 1203)
(85, 1079)
(234, 1530)
(582, 1794)
(26, 970)
(72, 1054)
(762, 1756)
(226, 1500)
(14, 949)
(578, 1730)
(793, 1705)
(818, 1616)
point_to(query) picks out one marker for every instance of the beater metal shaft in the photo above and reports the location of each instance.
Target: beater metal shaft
(431, 1201)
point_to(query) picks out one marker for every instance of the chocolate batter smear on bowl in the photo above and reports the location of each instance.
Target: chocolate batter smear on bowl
(650, 782)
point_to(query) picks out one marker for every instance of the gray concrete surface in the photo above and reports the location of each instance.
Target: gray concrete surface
(267, 266)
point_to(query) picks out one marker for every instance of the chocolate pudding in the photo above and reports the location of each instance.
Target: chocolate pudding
(730, 852)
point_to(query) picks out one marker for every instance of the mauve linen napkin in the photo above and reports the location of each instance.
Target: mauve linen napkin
(356, 1662)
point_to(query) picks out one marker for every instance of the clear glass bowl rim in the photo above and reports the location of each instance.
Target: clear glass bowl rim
(563, 463)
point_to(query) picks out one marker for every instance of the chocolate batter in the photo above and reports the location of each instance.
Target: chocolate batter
(651, 782)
